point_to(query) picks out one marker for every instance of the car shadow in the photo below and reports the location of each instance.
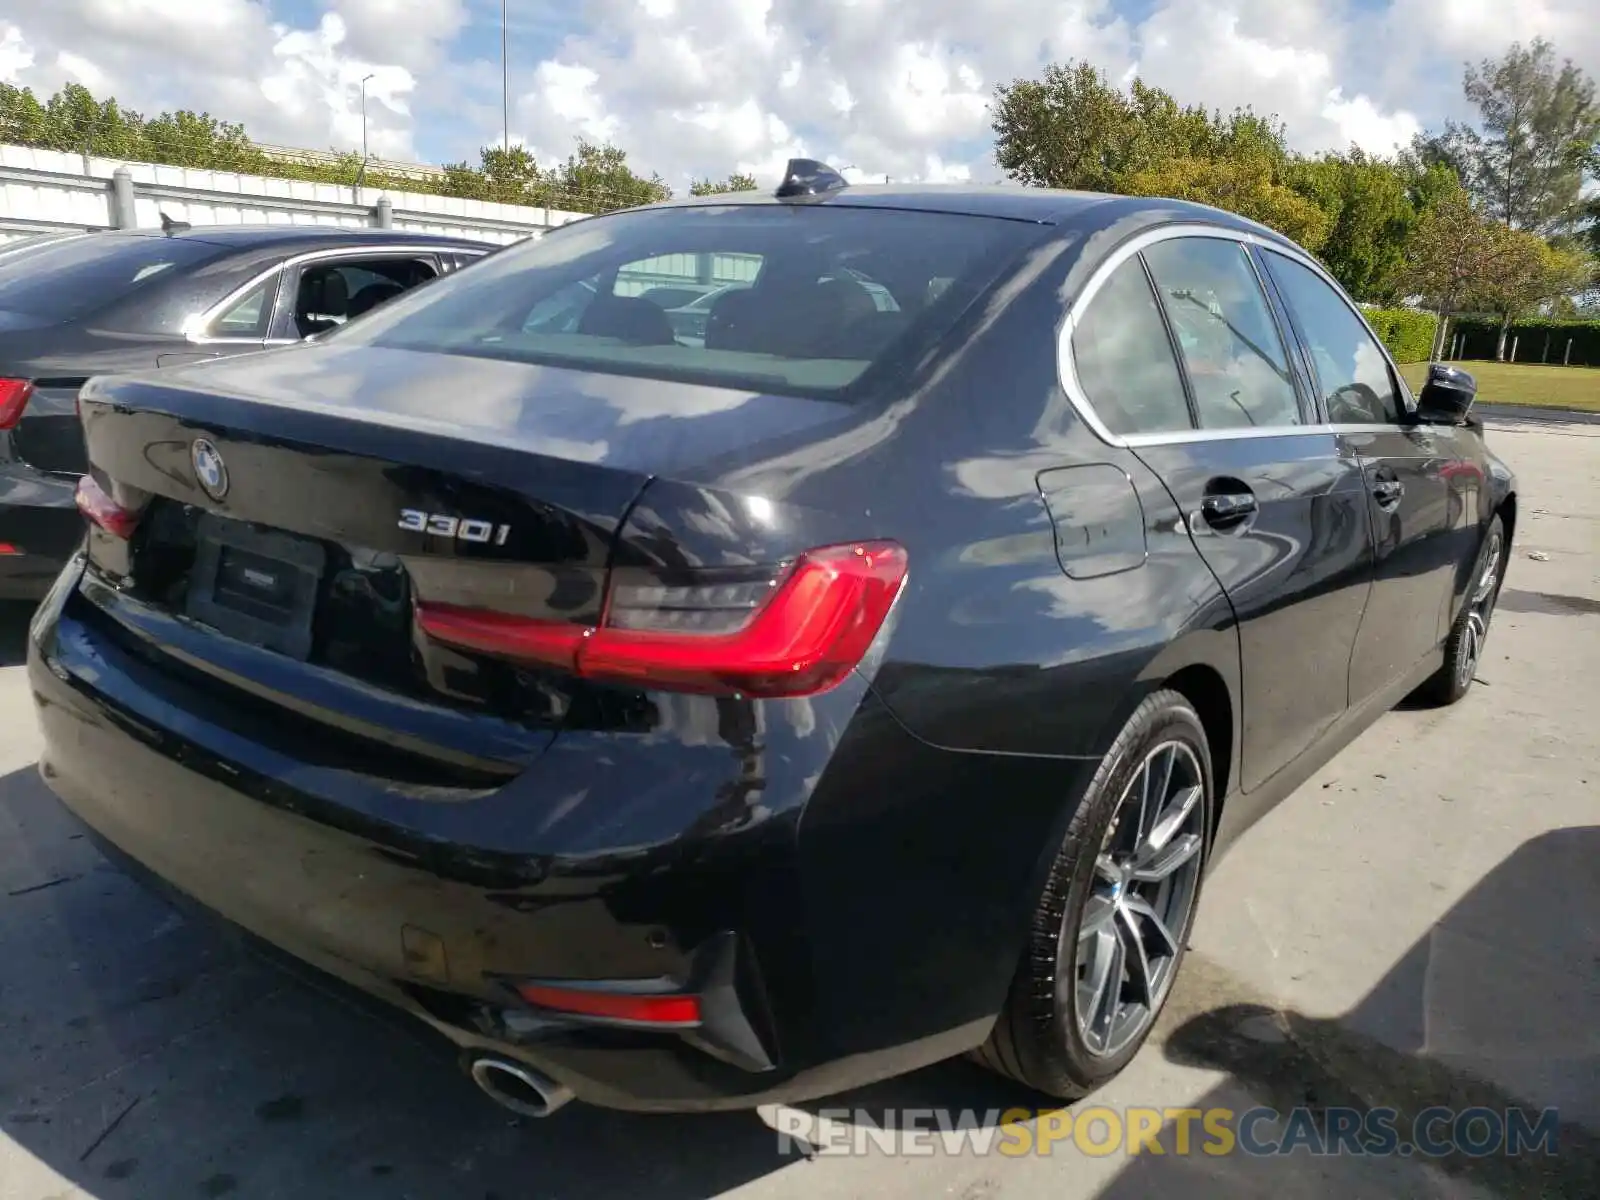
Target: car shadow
(156, 1057)
(149, 1056)
(1498, 1007)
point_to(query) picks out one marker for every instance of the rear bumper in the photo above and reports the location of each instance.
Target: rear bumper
(824, 961)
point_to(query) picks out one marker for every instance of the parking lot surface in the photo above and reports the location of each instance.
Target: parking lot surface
(1418, 925)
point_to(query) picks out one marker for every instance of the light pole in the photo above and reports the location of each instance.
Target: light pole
(364, 155)
(505, 79)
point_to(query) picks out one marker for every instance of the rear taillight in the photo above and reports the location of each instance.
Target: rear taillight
(14, 397)
(95, 503)
(794, 632)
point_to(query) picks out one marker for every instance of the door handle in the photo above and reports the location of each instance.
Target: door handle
(1227, 510)
(1387, 492)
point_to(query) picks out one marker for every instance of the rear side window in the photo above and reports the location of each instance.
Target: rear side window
(72, 278)
(1124, 360)
(798, 298)
(249, 316)
(1229, 341)
(1352, 373)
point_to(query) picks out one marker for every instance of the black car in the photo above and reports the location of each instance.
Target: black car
(82, 304)
(692, 726)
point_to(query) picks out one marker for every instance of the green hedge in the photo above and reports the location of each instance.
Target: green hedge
(1538, 340)
(1407, 332)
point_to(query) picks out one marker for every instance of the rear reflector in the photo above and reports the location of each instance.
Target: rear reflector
(796, 632)
(615, 1006)
(101, 510)
(14, 397)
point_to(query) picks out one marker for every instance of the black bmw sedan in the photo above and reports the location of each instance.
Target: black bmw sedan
(82, 304)
(685, 724)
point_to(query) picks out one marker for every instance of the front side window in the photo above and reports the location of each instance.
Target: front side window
(1352, 372)
(331, 293)
(1230, 344)
(1123, 358)
(799, 298)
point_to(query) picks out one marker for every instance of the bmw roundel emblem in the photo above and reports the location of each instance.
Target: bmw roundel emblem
(209, 469)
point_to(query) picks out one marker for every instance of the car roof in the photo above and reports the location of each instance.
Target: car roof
(250, 237)
(1084, 212)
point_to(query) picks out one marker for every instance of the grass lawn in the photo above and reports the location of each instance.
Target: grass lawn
(1520, 383)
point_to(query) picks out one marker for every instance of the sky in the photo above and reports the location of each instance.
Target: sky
(691, 88)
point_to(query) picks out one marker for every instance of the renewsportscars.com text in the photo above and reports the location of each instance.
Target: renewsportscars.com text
(1100, 1131)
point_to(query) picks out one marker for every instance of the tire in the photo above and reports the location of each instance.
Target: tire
(1039, 1039)
(1463, 649)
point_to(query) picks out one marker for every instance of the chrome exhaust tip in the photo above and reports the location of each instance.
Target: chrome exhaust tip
(518, 1087)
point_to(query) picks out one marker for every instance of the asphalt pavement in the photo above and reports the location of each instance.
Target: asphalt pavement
(1412, 935)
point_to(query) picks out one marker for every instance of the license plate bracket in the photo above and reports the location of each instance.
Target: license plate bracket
(257, 585)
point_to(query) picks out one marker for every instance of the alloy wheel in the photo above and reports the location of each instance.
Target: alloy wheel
(1480, 607)
(1146, 880)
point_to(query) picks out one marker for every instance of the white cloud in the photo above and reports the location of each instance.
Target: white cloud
(1360, 121)
(407, 32)
(1243, 65)
(237, 59)
(81, 70)
(892, 89)
(315, 79)
(16, 56)
(567, 97)
(903, 91)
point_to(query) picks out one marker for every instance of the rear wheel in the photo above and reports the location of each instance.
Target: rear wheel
(1109, 932)
(1463, 650)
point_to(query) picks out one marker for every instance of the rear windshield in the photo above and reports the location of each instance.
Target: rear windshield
(801, 298)
(62, 280)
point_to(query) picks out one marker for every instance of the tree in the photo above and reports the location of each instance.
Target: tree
(73, 120)
(1529, 271)
(511, 174)
(1074, 129)
(734, 183)
(598, 179)
(200, 140)
(1242, 185)
(1071, 129)
(1453, 255)
(1591, 227)
(1371, 213)
(1539, 125)
(23, 120)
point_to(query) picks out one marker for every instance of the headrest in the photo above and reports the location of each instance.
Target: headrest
(628, 319)
(374, 294)
(806, 321)
(324, 293)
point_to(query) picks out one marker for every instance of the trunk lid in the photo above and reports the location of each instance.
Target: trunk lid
(296, 506)
(279, 553)
(46, 435)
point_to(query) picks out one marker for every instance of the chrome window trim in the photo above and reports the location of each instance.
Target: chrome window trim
(196, 324)
(1318, 429)
(1066, 367)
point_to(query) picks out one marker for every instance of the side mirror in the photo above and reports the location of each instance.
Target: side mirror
(1447, 396)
